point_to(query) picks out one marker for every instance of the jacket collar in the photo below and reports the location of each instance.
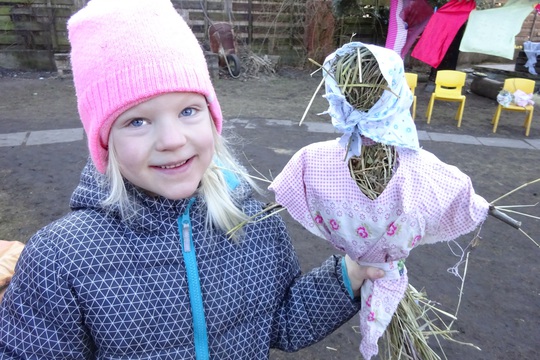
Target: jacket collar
(151, 212)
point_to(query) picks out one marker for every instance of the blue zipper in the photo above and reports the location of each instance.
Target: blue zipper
(195, 295)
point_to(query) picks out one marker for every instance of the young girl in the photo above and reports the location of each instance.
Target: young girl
(142, 267)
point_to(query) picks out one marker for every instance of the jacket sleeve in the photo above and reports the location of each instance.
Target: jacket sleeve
(314, 304)
(39, 315)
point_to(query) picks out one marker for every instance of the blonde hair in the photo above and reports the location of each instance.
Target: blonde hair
(223, 210)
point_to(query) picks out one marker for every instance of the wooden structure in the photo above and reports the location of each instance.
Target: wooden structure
(32, 31)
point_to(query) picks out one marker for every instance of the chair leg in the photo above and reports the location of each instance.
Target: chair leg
(430, 108)
(495, 120)
(457, 112)
(528, 123)
(414, 108)
(460, 113)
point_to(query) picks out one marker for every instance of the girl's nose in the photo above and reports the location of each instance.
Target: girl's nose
(169, 135)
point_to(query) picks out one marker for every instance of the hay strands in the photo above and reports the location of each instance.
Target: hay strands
(316, 90)
(357, 75)
(373, 169)
(270, 210)
(414, 322)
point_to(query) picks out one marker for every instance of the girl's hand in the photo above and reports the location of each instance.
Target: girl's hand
(358, 274)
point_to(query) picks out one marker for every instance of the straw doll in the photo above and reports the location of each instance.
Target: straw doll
(374, 193)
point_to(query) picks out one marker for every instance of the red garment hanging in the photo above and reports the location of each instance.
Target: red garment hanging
(441, 31)
(416, 13)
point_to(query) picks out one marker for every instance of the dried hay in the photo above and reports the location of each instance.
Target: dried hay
(359, 77)
(415, 321)
(373, 169)
(255, 65)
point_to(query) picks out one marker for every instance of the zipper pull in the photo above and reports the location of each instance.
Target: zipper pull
(185, 223)
(185, 236)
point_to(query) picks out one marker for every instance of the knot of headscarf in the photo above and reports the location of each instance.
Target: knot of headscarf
(389, 121)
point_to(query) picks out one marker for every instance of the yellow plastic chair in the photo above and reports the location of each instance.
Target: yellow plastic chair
(412, 81)
(511, 85)
(448, 85)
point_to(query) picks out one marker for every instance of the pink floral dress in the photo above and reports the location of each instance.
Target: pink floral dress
(426, 201)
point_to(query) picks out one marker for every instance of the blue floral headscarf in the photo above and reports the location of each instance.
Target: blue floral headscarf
(389, 121)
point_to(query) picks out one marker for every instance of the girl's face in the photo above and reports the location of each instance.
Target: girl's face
(165, 144)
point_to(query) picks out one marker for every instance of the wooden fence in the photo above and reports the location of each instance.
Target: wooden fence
(32, 31)
(254, 21)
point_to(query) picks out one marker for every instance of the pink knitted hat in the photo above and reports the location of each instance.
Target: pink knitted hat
(124, 52)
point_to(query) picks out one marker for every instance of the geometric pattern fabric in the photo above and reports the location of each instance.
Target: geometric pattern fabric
(94, 286)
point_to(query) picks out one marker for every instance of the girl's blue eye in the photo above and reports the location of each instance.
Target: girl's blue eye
(187, 112)
(137, 122)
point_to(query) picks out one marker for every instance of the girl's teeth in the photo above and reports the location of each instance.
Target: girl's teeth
(172, 166)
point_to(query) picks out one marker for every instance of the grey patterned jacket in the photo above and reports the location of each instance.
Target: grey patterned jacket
(161, 286)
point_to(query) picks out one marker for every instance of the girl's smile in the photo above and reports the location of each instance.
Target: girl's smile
(164, 145)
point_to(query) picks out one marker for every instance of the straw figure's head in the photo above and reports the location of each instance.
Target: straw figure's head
(124, 52)
(370, 103)
(359, 77)
(369, 97)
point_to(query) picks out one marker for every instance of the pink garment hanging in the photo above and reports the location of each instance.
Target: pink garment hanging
(416, 14)
(441, 31)
(397, 29)
(426, 201)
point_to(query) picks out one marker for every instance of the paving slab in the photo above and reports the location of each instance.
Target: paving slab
(319, 127)
(55, 136)
(534, 143)
(454, 138)
(279, 122)
(501, 142)
(423, 135)
(13, 139)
